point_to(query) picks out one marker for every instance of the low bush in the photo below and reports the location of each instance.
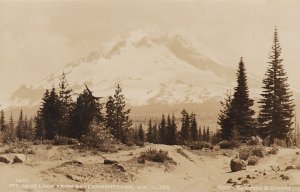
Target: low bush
(253, 160)
(98, 137)
(139, 143)
(274, 150)
(61, 140)
(155, 156)
(258, 150)
(225, 144)
(255, 141)
(200, 145)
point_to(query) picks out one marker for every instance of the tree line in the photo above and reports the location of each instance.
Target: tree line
(276, 109)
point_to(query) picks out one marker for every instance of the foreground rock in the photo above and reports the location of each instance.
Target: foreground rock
(19, 158)
(237, 165)
(4, 159)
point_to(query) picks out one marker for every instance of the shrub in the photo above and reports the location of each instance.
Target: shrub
(97, 137)
(228, 144)
(279, 142)
(139, 143)
(274, 150)
(252, 160)
(200, 145)
(155, 156)
(255, 141)
(244, 153)
(258, 150)
(61, 140)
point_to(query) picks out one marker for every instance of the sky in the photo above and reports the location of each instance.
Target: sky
(38, 38)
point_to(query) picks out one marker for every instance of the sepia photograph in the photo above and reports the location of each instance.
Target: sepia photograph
(149, 95)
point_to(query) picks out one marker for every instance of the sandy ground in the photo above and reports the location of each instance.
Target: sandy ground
(52, 168)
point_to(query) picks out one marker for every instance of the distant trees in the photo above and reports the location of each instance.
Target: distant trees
(276, 105)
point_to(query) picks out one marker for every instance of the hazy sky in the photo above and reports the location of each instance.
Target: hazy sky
(39, 37)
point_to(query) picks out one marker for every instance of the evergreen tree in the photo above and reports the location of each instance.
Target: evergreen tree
(204, 134)
(141, 133)
(241, 113)
(162, 130)
(194, 129)
(200, 137)
(40, 132)
(20, 126)
(11, 133)
(51, 113)
(66, 101)
(185, 126)
(117, 116)
(172, 131)
(2, 122)
(207, 134)
(276, 105)
(225, 119)
(155, 134)
(150, 133)
(85, 111)
(110, 116)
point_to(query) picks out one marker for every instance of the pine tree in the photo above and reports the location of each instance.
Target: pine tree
(194, 129)
(40, 132)
(86, 110)
(110, 116)
(2, 122)
(11, 133)
(162, 130)
(204, 134)
(225, 119)
(207, 134)
(50, 112)
(155, 134)
(117, 116)
(172, 131)
(141, 133)
(276, 105)
(20, 126)
(150, 133)
(200, 137)
(241, 113)
(185, 126)
(66, 101)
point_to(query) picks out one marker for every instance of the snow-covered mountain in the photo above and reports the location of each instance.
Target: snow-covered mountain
(152, 67)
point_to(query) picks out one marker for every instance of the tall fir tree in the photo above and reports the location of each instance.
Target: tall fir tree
(162, 130)
(110, 116)
(2, 122)
(66, 101)
(200, 136)
(141, 133)
(276, 105)
(150, 133)
(20, 126)
(241, 112)
(225, 120)
(85, 111)
(207, 134)
(194, 127)
(172, 131)
(185, 126)
(117, 115)
(155, 134)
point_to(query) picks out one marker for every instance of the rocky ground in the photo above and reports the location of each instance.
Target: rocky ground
(65, 168)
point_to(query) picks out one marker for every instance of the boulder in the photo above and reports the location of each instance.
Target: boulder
(110, 162)
(237, 165)
(290, 167)
(19, 158)
(230, 181)
(120, 167)
(4, 159)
